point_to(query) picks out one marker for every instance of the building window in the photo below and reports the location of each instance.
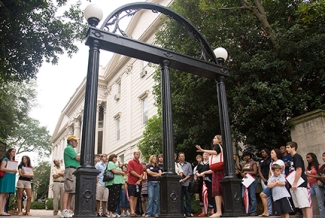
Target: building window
(118, 129)
(119, 87)
(121, 157)
(144, 110)
(100, 142)
(100, 117)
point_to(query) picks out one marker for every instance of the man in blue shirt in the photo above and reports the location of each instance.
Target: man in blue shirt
(101, 190)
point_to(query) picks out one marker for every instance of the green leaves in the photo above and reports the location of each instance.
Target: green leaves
(277, 62)
(31, 32)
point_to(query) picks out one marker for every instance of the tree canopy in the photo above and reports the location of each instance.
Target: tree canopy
(17, 128)
(16, 100)
(32, 32)
(277, 62)
(41, 180)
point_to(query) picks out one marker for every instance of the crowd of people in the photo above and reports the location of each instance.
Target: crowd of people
(134, 189)
(9, 169)
(285, 180)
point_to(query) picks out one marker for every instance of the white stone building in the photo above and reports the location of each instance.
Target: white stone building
(125, 100)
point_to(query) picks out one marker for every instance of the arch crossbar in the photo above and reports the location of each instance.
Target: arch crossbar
(111, 24)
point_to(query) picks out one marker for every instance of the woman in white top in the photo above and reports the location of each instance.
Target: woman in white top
(276, 156)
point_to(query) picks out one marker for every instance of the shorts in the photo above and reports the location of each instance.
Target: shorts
(24, 184)
(132, 191)
(144, 197)
(267, 191)
(283, 206)
(300, 197)
(69, 181)
(101, 193)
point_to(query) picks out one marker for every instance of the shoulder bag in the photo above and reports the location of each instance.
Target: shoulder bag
(321, 171)
(108, 176)
(216, 161)
(2, 174)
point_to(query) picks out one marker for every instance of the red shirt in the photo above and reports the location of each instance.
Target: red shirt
(136, 166)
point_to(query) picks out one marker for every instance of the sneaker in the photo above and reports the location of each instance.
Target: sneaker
(70, 213)
(127, 213)
(201, 215)
(105, 215)
(123, 214)
(98, 214)
(64, 213)
(190, 215)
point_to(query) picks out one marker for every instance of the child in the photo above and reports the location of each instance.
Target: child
(280, 194)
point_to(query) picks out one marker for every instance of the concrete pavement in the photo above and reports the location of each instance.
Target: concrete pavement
(49, 214)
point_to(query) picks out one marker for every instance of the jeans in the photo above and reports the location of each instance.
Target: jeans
(319, 192)
(269, 199)
(153, 203)
(185, 193)
(252, 197)
(124, 202)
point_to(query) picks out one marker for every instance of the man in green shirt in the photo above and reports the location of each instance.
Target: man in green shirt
(71, 162)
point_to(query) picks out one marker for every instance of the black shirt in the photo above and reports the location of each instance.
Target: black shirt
(20, 166)
(154, 169)
(265, 167)
(297, 161)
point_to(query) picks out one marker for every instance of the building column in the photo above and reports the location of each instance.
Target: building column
(96, 132)
(104, 128)
(76, 132)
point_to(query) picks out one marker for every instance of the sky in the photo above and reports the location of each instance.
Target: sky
(57, 83)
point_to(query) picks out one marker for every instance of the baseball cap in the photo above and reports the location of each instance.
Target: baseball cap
(72, 137)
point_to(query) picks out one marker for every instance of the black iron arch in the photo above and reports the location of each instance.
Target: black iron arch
(112, 21)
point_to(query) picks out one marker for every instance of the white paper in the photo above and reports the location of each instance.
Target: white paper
(248, 180)
(12, 165)
(28, 170)
(291, 178)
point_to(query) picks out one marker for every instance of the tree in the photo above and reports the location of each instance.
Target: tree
(32, 32)
(16, 100)
(276, 63)
(41, 180)
(31, 137)
(151, 143)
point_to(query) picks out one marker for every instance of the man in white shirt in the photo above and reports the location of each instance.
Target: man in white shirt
(58, 184)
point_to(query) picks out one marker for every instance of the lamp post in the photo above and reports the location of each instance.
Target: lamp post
(85, 197)
(231, 185)
(211, 67)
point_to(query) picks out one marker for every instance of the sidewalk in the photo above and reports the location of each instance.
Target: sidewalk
(49, 214)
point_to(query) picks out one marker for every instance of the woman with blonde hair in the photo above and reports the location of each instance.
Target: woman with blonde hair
(217, 175)
(153, 172)
(8, 181)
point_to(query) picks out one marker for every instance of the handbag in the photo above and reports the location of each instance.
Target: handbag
(216, 161)
(2, 174)
(108, 176)
(321, 171)
(194, 186)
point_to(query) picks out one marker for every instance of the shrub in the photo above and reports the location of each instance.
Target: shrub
(49, 204)
(12, 202)
(196, 209)
(37, 205)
